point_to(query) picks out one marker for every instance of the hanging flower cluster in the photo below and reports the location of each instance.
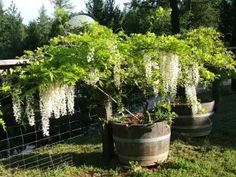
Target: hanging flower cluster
(90, 56)
(150, 67)
(117, 65)
(169, 71)
(30, 109)
(56, 100)
(92, 78)
(191, 83)
(148, 64)
(117, 78)
(16, 102)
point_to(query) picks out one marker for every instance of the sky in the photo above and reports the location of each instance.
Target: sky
(29, 9)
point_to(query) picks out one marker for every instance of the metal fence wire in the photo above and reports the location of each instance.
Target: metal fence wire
(20, 145)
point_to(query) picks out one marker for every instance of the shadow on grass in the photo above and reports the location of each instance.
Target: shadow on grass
(94, 159)
(85, 139)
(46, 161)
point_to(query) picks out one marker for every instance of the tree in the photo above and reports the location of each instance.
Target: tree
(194, 13)
(38, 31)
(95, 9)
(61, 16)
(44, 26)
(113, 15)
(175, 17)
(105, 13)
(63, 4)
(147, 16)
(233, 41)
(32, 40)
(226, 18)
(12, 32)
(4, 40)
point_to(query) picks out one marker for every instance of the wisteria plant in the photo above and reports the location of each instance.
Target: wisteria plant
(109, 62)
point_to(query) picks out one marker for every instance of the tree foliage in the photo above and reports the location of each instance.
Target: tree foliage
(44, 26)
(63, 4)
(38, 31)
(194, 14)
(12, 32)
(105, 13)
(147, 16)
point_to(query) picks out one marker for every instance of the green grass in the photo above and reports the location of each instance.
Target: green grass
(211, 156)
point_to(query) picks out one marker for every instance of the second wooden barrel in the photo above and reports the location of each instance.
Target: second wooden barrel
(193, 125)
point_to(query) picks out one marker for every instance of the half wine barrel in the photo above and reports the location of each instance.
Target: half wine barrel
(193, 125)
(148, 144)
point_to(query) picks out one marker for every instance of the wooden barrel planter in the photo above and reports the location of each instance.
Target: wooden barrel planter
(148, 144)
(192, 125)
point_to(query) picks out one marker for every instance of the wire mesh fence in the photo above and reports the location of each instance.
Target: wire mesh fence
(20, 145)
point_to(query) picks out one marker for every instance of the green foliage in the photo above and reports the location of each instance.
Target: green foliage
(194, 14)
(44, 26)
(95, 9)
(146, 18)
(162, 112)
(38, 32)
(63, 4)
(2, 123)
(134, 166)
(160, 21)
(105, 13)
(32, 40)
(233, 22)
(61, 16)
(226, 19)
(12, 32)
(210, 51)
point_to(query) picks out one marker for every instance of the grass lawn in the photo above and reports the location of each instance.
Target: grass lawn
(211, 156)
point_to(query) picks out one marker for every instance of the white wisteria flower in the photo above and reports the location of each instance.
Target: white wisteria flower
(191, 82)
(148, 65)
(90, 56)
(92, 78)
(57, 100)
(116, 56)
(191, 95)
(30, 110)
(16, 102)
(169, 71)
(70, 95)
(117, 78)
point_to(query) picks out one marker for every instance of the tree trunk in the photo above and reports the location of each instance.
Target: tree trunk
(233, 41)
(107, 139)
(175, 17)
